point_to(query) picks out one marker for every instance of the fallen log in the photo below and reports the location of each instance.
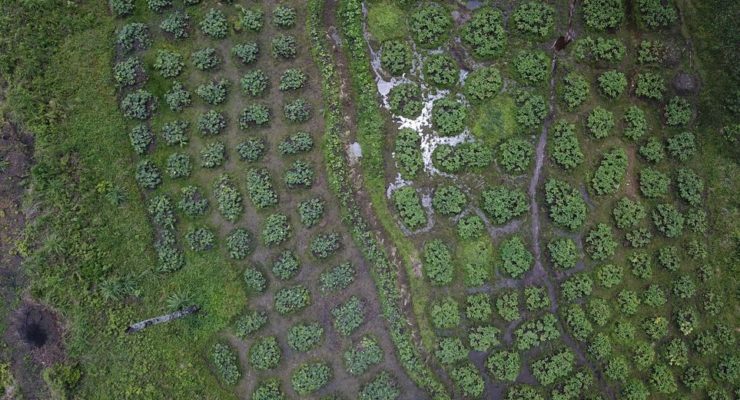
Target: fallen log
(183, 312)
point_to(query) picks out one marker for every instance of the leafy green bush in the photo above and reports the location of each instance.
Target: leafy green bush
(176, 24)
(682, 146)
(690, 186)
(603, 14)
(531, 110)
(133, 36)
(169, 64)
(449, 200)
(254, 115)
(358, 359)
(612, 83)
(448, 116)
(478, 307)
(662, 379)
(575, 90)
(396, 57)
(552, 368)
(600, 243)
(292, 79)
(483, 338)
(504, 365)
(408, 152)
(121, 8)
(247, 53)
(264, 353)
(533, 333)
(192, 201)
(275, 229)
(305, 337)
(507, 306)
(254, 83)
(445, 313)
(284, 16)
(255, 280)
(534, 18)
(668, 220)
(564, 148)
(600, 122)
(284, 46)
(310, 377)
(349, 315)
(536, 298)
(441, 70)
(464, 156)
(382, 387)
(268, 390)
(516, 155)
(213, 92)
(249, 323)
(160, 208)
(158, 5)
(678, 111)
(292, 299)
(213, 155)
(300, 174)
(450, 351)
(148, 175)
(609, 275)
(576, 287)
(610, 173)
(325, 244)
(178, 165)
(225, 361)
(141, 137)
(653, 183)
(126, 72)
(485, 33)
(337, 278)
(251, 19)
(650, 85)
(482, 84)
(635, 123)
(468, 380)
(502, 204)
(251, 150)
(211, 123)
(563, 253)
(532, 66)
(260, 189)
(407, 202)
(566, 205)
(515, 258)
(297, 111)
(298, 142)
(200, 239)
(657, 14)
(286, 265)
(205, 59)
(239, 243)
(140, 104)
(310, 211)
(430, 24)
(652, 150)
(177, 98)
(438, 266)
(214, 24)
(405, 100)
(470, 227)
(628, 213)
(228, 198)
(601, 49)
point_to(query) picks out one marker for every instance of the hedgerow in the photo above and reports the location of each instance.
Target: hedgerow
(408, 204)
(349, 315)
(430, 24)
(305, 337)
(275, 229)
(228, 198)
(484, 32)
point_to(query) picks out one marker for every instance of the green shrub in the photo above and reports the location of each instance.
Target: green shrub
(470, 227)
(662, 379)
(534, 18)
(468, 380)
(251, 150)
(682, 146)
(214, 24)
(405, 100)
(601, 49)
(653, 183)
(297, 111)
(192, 201)
(200, 239)
(690, 186)
(239, 243)
(438, 265)
(264, 353)
(396, 57)
(668, 220)
(575, 90)
(483, 338)
(652, 150)
(148, 175)
(178, 165)
(133, 36)
(449, 200)
(603, 14)
(211, 123)
(284, 16)
(126, 72)
(286, 265)
(448, 116)
(450, 351)
(531, 110)
(254, 83)
(610, 173)
(612, 83)
(654, 296)
(177, 98)
(669, 258)
(140, 104)
(176, 24)
(533, 333)
(260, 189)
(292, 79)
(160, 208)
(639, 237)
(651, 52)
(516, 155)
(158, 5)
(502, 204)
(284, 46)
(657, 14)
(310, 377)
(628, 213)
(635, 123)
(268, 390)
(650, 85)
(213, 92)
(504, 365)
(600, 123)
(600, 243)
(205, 59)
(337, 278)
(552, 368)
(563, 253)
(249, 323)
(121, 8)
(479, 307)
(536, 298)
(169, 64)
(228, 198)
(609, 275)
(141, 137)
(482, 84)
(348, 316)
(251, 19)
(485, 33)
(247, 53)
(305, 337)
(515, 258)
(408, 152)
(275, 229)
(407, 202)
(464, 156)
(532, 66)
(678, 112)
(254, 116)
(358, 359)
(300, 174)
(507, 306)
(299, 142)
(576, 287)
(564, 148)
(292, 299)
(325, 244)
(430, 24)
(441, 70)
(566, 205)
(311, 211)
(213, 155)
(225, 361)
(382, 387)
(445, 313)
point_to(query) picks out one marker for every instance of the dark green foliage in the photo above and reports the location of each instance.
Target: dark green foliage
(200, 239)
(668, 220)
(177, 98)
(682, 146)
(225, 361)
(635, 123)
(468, 380)
(300, 174)
(603, 14)
(176, 24)
(534, 18)
(325, 244)
(504, 365)
(662, 379)
(310, 377)
(655, 297)
(479, 307)
(566, 205)
(133, 36)
(532, 66)
(449, 200)
(405, 100)
(450, 351)
(507, 306)
(284, 16)
(228, 198)
(650, 85)
(213, 155)
(205, 59)
(299, 142)
(462, 157)
(600, 123)
(211, 123)
(563, 253)
(610, 173)
(563, 147)
(485, 33)
(438, 265)
(286, 265)
(600, 243)
(554, 367)
(536, 298)
(600, 50)
(575, 90)
(609, 275)
(515, 258)
(653, 183)
(264, 353)
(292, 299)
(358, 359)
(482, 84)
(612, 83)
(260, 189)
(396, 57)
(239, 243)
(470, 227)
(148, 175)
(297, 111)
(678, 112)
(214, 24)
(516, 155)
(126, 72)
(445, 313)
(600, 347)
(348, 316)
(275, 229)
(169, 64)
(483, 338)
(162, 212)
(305, 337)
(576, 287)
(690, 186)
(449, 116)
(158, 5)
(657, 14)
(651, 52)
(684, 287)
(628, 213)
(121, 8)
(407, 202)
(268, 390)
(141, 137)
(251, 150)
(382, 387)
(628, 302)
(430, 24)
(254, 115)
(178, 165)
(531, 110)
(408, 152)
(254, 82)
(249, 323)
(251, 19)
(617, 369)
(247, 53)
(337, 278)
(292, 79)
(192, 201)
(441, 70)
(502, 204)
(652, 150)
(310, 211)
(140, 104)
(533, 333)
(284, 46)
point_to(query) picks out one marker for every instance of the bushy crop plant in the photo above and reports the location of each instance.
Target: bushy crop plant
(349, 315)
(284, 47)
(239, 243)
(635, 123)
(299, 142)
(678, 112)
(192, 202)
(121, 8)
(168, 63)
(179, 165)
(408, 152)
(254, 83)
(600, 244)
(213, 155)
(297, 111)
(628, 213)
(177, 98)
(652, 150)
(310, 377)
(468, 380)
(268, 390)
(502, 204)
(445, 313)
(205, 59)
(228, 198)
(383, 386)
(515, 258)
(482, 84)
(603, 14)
(260, 188)
(531, 110)
(566, 206)
(409, 208)
(128, 72)
(299, 175)
(292, 299)
(148, 175)
(140, 137)
(600, 123)
(612, 83)
(255, 280)
(504, 365)
(211, 123)
(325, 244)
(656, 14)
(449, 200)
(292, 79)
(610, 173)
(682, 146)
(534, 18)
(563, 253)
(358, 359)
(134, 36)
(311, 211)
(441, 70)
(275, 229)
(158, 5)
(249, 323)
(213, 92)
(176, 24)
(650, 85)
(265, 353)
(284, 16)
(251, 150)
(396, 57)
(531, 66)
(575, 90)
(564, 147)
(516, 155)
(430, 24)
(438, 265)
(254, 116)
(405, 100)
(337, 278)
(214, 24)
(600, 50)
(286, 265)
(450, 351)
(251, 19)
(470, 227)
(304, 337)
(200, 239)
(485, 33)
(247, 52)
(225, 361)
(140, 104)
(449, 116)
